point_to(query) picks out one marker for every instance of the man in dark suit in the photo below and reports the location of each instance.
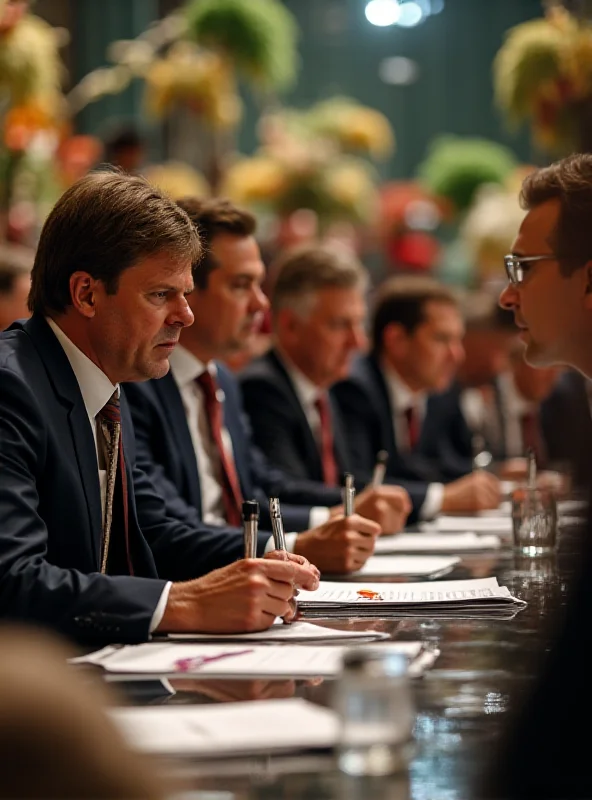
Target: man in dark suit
(207, 462)
(319, 314)
(86, 544)
(399, 399)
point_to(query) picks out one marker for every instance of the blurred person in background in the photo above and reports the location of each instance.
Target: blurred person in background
(15, 282)
(197, 460)
(399, 399)
(545, 753)
(125, 148)
(56, 740)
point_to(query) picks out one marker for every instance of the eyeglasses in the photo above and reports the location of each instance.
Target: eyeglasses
(518, 266)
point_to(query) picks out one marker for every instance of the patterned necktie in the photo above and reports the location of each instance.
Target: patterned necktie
(231, 491)
(330, 471)
(116, 494)
(412, 427)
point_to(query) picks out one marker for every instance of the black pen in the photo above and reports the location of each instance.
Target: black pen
(250, 527)
(379, 469)
(349, 493)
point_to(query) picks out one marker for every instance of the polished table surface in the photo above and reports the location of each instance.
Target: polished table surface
(461, 702)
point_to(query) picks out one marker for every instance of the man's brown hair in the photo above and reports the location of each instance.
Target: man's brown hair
(570, 182)
(103, 224)
(300, 272)
(211, 218)
(403, 300)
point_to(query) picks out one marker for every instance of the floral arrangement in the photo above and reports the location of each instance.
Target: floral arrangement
(456, 167)
(177, 179)
(297, 167)
(353, 127)
(543, 75)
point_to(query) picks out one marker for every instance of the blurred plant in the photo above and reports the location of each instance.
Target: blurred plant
(543, 74)
(177, 179)
(354, 127)
(297, 168)
(258, 37)
(200, 80)
(456, 167)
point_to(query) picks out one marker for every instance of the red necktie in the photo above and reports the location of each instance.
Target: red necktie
(531, 436)
(116, 554)
(412, 426)
(231, 491)
(330, 471)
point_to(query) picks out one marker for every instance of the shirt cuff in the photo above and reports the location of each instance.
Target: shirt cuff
(160, 608)
(290, 543)
(318, 516)
(432, 504)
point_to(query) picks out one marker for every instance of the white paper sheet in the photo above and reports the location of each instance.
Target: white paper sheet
(296, 632)
(412, 566)
(450, 524)
(435, 543)
(256, 661)
(228, 729)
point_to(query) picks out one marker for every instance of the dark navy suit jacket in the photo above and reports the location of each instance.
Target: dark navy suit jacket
(444, 449)
(50, 507)
(281, 429)
(166, 453)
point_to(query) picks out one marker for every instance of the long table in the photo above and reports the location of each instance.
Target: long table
(461, 702)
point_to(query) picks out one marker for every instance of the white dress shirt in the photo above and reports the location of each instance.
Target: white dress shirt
(401, 399)
(97, 390)
(185, 369)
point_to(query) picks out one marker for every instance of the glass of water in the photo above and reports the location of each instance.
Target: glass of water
(374, 701)
(534, 521)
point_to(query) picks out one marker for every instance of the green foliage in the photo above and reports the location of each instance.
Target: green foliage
(258, 36)
(456, 167)
(531, 55)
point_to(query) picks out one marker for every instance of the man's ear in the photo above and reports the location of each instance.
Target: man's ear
(82, 292)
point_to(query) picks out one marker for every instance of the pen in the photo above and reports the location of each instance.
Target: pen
(277, 530)
(379, 468)
(277, 526)
(250, 527)
(532, 469)
(349, 494)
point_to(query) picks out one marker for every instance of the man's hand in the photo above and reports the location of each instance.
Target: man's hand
(342, 544)
(242, 597)
(475, 492)
(389, 506)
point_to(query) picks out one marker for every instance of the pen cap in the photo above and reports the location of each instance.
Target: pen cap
(250, 510)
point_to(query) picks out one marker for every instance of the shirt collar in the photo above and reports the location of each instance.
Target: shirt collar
(186, 368)
(306, 391)
(400, 394)
(95, 386)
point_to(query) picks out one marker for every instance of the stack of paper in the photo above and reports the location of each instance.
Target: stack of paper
(232, 729)
(406, 566)
(436, 543)
(237, 661)
(459, 598)
(501, 524)
(296, 632)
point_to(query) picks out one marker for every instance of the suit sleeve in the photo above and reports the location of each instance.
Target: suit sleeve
(94, 608)
(272, 426)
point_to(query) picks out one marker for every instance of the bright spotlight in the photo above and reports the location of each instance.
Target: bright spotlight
(383, 12)
(410, 15)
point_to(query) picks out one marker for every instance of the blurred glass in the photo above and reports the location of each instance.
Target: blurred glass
(534, 520)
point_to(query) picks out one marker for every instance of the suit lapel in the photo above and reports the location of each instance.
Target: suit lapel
(383, 399)
(174, 413)
(66, 387)
(313, 455)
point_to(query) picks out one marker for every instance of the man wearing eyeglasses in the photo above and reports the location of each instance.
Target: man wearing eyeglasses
(550, 267)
